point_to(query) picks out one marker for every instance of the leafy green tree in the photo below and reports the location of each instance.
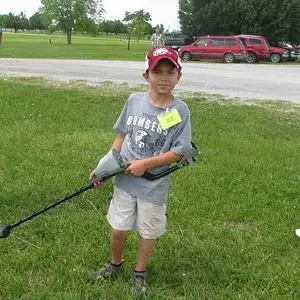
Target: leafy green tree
(137, 23)
(37, 22)
(119, 27)
(51, 28)
(193, 16)
(87, 26)
(69, 13)
(293, 15)
(5, 21)
(271, 18)
(2, 20)
(24, 22)
(15, 22)
(107, 26)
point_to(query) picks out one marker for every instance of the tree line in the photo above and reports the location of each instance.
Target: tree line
(38, 22)
(82, 16)
(277, 20)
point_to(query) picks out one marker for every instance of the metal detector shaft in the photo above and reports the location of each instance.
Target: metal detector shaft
(53, 205)
(58, 202)
(5, 230)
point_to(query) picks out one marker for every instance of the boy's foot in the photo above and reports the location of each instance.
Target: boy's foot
(107, 271)
(139, 283)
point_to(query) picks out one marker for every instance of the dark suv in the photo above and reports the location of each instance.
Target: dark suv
(177, 40)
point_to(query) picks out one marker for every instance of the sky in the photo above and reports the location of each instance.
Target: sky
(162, 11)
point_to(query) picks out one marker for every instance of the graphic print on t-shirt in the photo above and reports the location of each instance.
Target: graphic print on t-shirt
(146, 137)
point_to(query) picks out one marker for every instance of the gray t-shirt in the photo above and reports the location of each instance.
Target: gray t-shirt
(145, 138)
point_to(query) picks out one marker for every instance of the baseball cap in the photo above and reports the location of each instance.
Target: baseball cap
(155, 55)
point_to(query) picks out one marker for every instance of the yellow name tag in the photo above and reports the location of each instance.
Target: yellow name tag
(169, 119)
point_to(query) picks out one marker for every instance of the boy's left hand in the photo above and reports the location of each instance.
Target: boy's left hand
(136, 168)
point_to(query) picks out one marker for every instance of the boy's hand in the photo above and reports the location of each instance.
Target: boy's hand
(136, 168)
(96, 180)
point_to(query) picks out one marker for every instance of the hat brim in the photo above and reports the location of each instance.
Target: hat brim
(161, 57)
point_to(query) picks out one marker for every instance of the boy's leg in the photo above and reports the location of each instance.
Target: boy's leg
(122, 218)
(151, 223)
(145, 248)
(117, 244)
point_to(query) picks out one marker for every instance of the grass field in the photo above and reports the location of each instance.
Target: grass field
(38, 46)
(231, 219)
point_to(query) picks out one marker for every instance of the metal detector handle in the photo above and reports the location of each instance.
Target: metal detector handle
(187, 159)
(152, 177)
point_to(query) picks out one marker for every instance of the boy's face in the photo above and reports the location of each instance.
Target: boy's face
(164, 77)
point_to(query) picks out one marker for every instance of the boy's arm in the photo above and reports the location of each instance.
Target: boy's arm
(120, 128)
(161, 160)
(117, 144)
(139, 167)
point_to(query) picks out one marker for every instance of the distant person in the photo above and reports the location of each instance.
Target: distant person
(1, 32)
(157, 39)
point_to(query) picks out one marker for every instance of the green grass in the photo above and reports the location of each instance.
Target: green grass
(38, 46)
(231, 219)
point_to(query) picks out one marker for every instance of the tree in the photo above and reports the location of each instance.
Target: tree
(36, 22)
(186, 15)
(293, 13)
(119, 27)
(51, 28)
(2, 20)
(24, 22)
(137, 23)
(271, 18)
(14, 22)
(87, 26)
(107, 27)
(69, 13)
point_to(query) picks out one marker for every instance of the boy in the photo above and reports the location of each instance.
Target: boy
(149, 141)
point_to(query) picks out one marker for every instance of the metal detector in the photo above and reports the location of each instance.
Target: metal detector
(109, 166)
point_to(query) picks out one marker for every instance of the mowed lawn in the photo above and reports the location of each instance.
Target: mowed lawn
(37, 46)
(231, 219)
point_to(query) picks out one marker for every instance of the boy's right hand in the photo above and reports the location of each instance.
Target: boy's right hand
(96, 180)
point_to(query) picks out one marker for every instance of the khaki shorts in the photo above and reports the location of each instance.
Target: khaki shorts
(127, 212)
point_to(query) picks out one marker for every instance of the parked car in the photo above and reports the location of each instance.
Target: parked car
(176, 41)
(258, 48)
(228, 48)
(294, 53)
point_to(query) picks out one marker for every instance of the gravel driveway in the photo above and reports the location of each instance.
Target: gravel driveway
(259, 81)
